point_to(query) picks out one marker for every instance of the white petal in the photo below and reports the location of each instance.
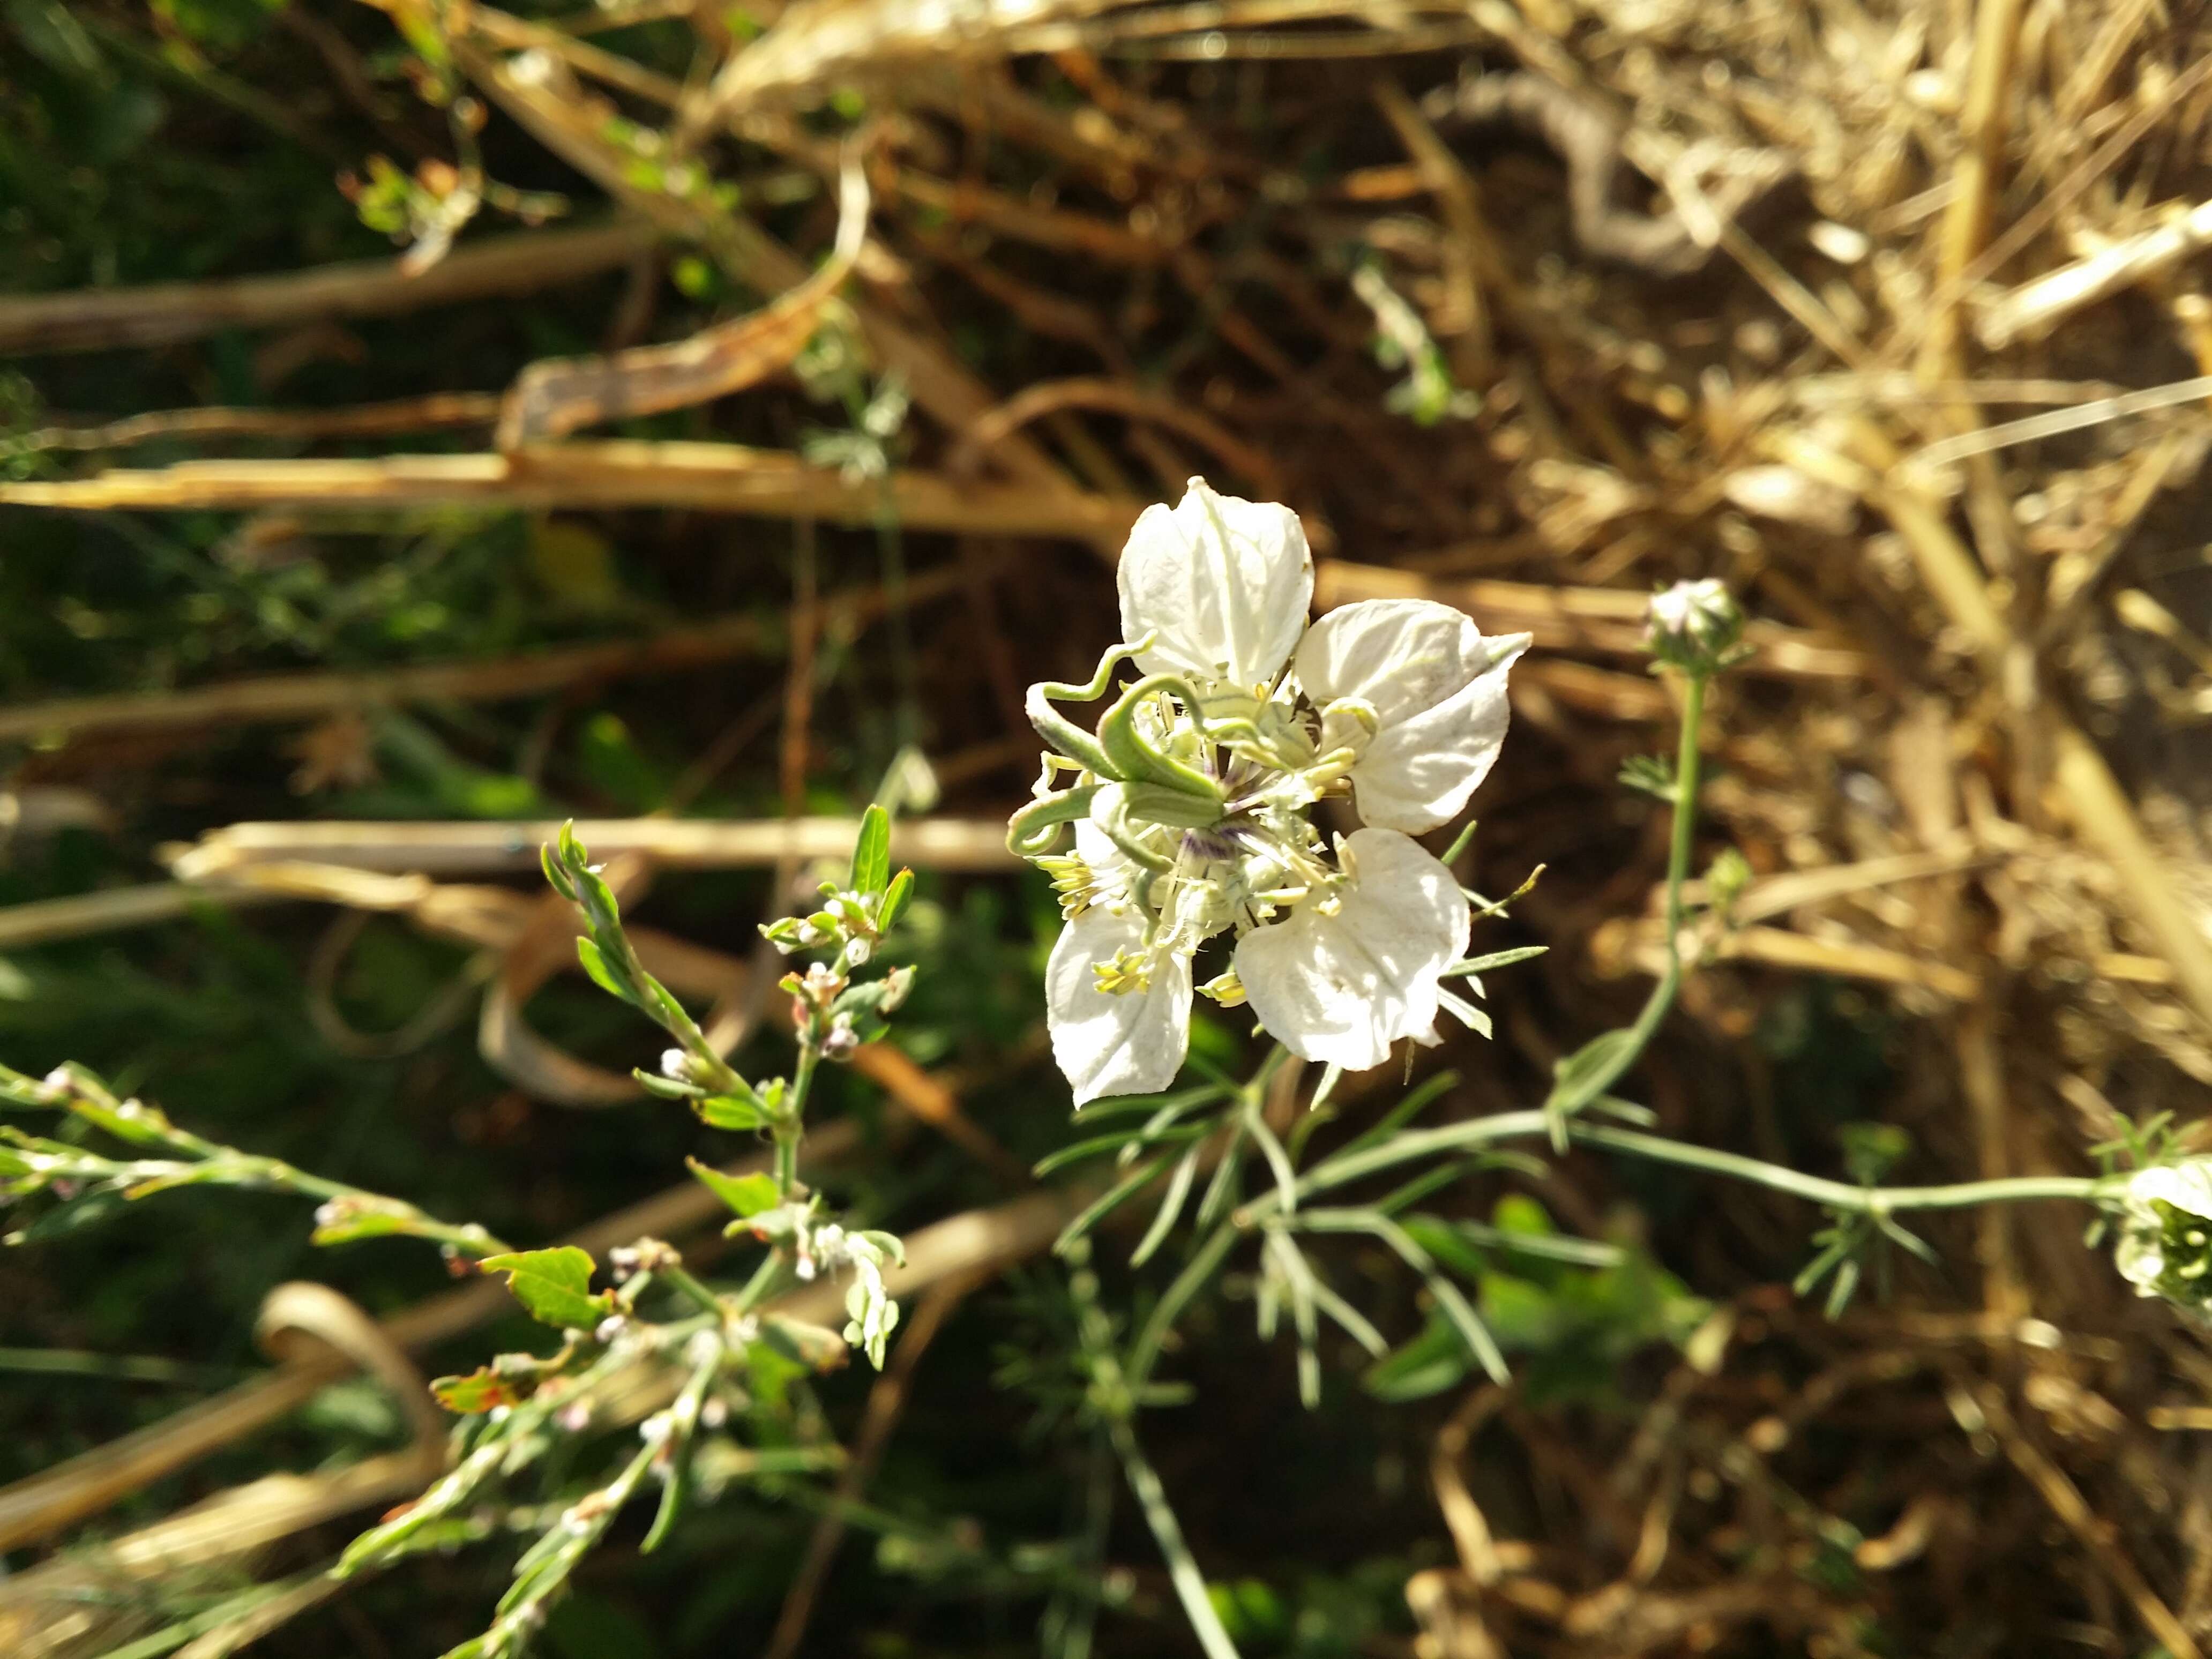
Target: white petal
(2187, 1186)
(1130, 1044)
(1418, 774)
(1440, 688)
(1401, 655)
(2140, 1260)
(1340, 989)
(1223, 584)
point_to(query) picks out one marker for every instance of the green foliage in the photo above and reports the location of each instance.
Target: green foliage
(554, 1287)
(746, 1195)
(1571, 1313)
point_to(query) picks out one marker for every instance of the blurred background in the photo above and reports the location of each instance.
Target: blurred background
(422, 423)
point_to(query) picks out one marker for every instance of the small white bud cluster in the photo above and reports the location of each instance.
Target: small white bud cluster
(1695, 626)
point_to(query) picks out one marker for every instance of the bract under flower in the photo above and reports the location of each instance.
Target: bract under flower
(1340, 980)
(1222, 585)
(1436, 691)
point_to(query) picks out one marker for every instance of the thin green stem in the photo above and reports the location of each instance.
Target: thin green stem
(1687, 758)
(1524, 1125)
(692, 1290)
(792, 1127)
(763, 1283)
(1111, 1391)
(1624, 1053)
(1839, 1195)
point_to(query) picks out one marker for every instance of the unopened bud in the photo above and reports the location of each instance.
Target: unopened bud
(897, 984)
(841, 1041)
(1694, 626)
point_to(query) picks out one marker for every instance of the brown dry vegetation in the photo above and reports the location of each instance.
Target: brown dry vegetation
(1888, 314)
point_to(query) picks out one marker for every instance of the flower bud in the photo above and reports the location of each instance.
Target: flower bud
(1694, 626)
(841, 1041)
(897, 984)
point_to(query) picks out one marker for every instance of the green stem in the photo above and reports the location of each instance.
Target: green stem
(763, 1283)
(793, 1127)
(1836, 1194)
(692, 1289)
(1639, 1034)
(1839, 1195)
(1117, 1403)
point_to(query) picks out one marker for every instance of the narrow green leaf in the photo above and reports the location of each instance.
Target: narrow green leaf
(735, 1112)
(872, 853)
(89, 1211)
(554, 1287)
(1495, 959)
(1171, 1207)
(1433, 1361)
(1461, 842)
(595, 964)
(895, 900)
(1101, 1207)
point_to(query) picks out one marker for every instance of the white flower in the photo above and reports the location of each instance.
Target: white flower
(1434, 690)
(1191, 804)
(1222, 585)
(1345, 978)
(2164, 1246)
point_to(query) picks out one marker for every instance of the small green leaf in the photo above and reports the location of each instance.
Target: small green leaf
(737, 1112)
(595, 964)
(1520, 1214)
(555, 877)
(129, 1120)
(479, 1391)
(668, 1088)
(748, 1195)
(895, 900)
(872, 853)
(554, 1287)
(363, 1217)
(1433, 1361)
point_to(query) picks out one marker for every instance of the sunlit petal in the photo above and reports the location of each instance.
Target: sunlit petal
(1222, 583)
(1340, 988)
(1129, 1043)
(1438, 688)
